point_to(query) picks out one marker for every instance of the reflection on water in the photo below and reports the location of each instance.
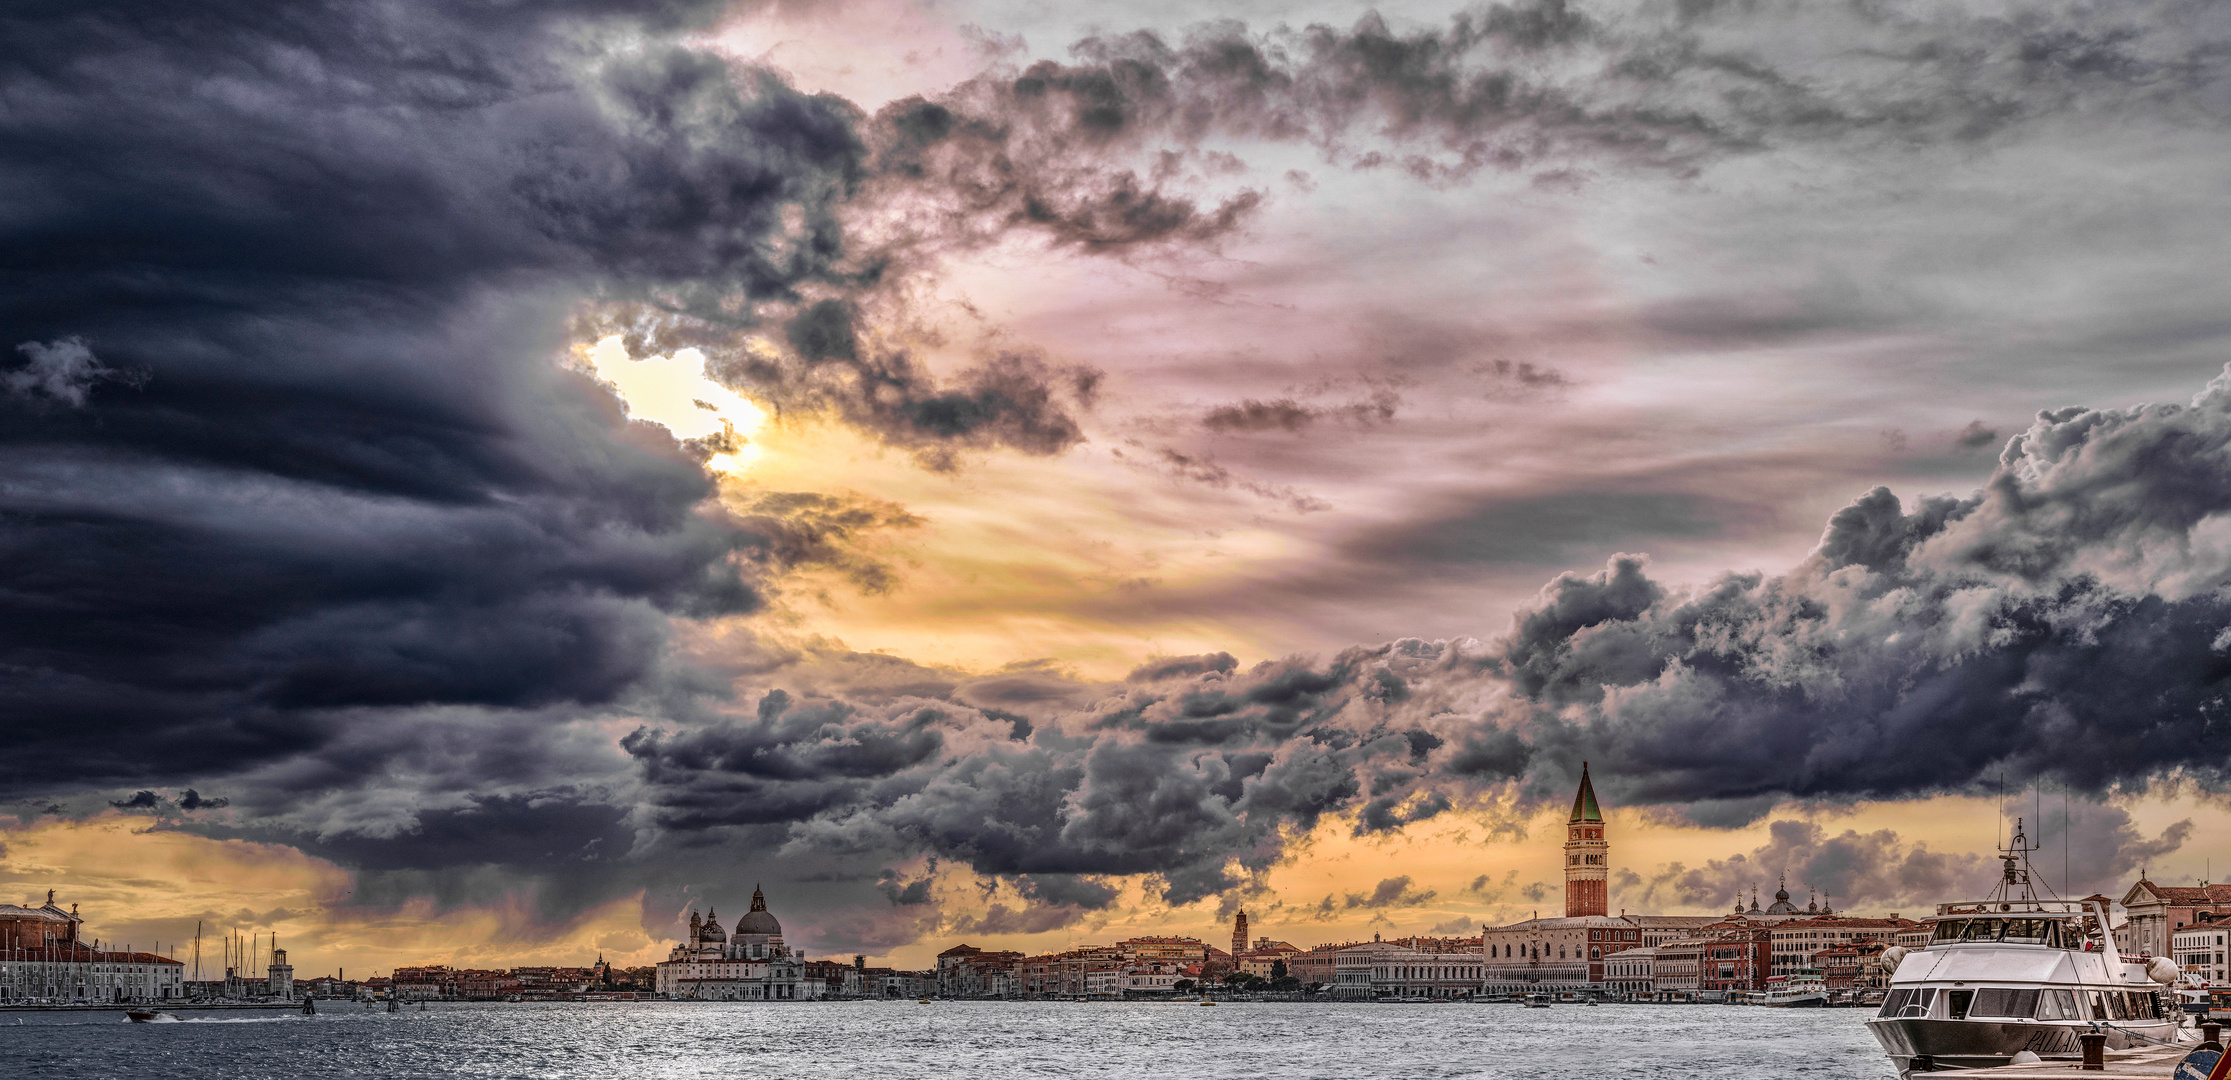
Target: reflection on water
(976, 1040)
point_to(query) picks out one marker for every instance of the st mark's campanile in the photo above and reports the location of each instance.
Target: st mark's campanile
(1587, 856)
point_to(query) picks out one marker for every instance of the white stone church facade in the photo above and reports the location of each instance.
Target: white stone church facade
(753, 964)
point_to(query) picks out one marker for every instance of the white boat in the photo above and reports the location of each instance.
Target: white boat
(1801, 989)
(2192, 996)
(2016, 972)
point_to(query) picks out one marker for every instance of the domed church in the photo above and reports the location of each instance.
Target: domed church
(752, 964)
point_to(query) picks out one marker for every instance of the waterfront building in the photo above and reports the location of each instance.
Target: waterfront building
(2157, 912)
(1151, 977)
(1264, 957)
(1797, 942)
(1677, 967)
(2203, 950)
(1633, 971)
(752, 965)
(1179, 949)
(1314, 967)
(1659, 929)
(883, 982)
(1737, 961)
(1852, 967)
(1565, 953)
(965, 971)
(1587, 854)
(1355, 969)
(44, 958)
(1372, 970)
(836, 978)
(551, 982)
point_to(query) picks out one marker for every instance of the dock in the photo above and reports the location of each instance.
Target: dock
(2151, 1063)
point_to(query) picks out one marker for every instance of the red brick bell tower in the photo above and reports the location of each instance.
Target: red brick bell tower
(1587, 856)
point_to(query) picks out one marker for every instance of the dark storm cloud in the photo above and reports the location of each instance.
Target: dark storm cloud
(524, 832)
(2069, 620)
(190, 799)
(1193, 770)
(283, 436)
(288, 437)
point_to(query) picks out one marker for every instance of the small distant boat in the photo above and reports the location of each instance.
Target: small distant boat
(1208, 1003)
(924, 1001)
(1537, 1001)
(142, 1016)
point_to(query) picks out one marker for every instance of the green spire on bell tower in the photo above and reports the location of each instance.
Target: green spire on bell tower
(1584, 800)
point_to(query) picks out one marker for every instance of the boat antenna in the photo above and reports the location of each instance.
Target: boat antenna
(2066, 828)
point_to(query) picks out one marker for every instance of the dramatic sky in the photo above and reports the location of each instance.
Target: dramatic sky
(480, 479)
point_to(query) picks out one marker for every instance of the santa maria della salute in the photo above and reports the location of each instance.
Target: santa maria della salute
(752, 964)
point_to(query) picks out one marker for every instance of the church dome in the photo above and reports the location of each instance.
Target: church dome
(1782, 906)
(759, 920)
(711, 931)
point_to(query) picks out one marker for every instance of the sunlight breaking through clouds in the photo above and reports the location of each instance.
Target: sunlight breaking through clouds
(674, 392)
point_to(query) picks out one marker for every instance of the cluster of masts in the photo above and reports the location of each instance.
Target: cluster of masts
(243, 959)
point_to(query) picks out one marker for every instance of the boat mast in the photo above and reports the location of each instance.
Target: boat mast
(2014, 874)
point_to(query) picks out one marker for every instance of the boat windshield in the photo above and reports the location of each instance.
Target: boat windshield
(1908, 1003)
(2011, 931)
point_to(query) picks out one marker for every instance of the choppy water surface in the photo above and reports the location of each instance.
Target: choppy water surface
(989, 1040)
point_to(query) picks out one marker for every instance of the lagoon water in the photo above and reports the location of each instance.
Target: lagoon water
(959, 1039)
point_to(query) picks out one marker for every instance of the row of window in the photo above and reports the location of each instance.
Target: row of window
(2013, 1003)
(1537, 952)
